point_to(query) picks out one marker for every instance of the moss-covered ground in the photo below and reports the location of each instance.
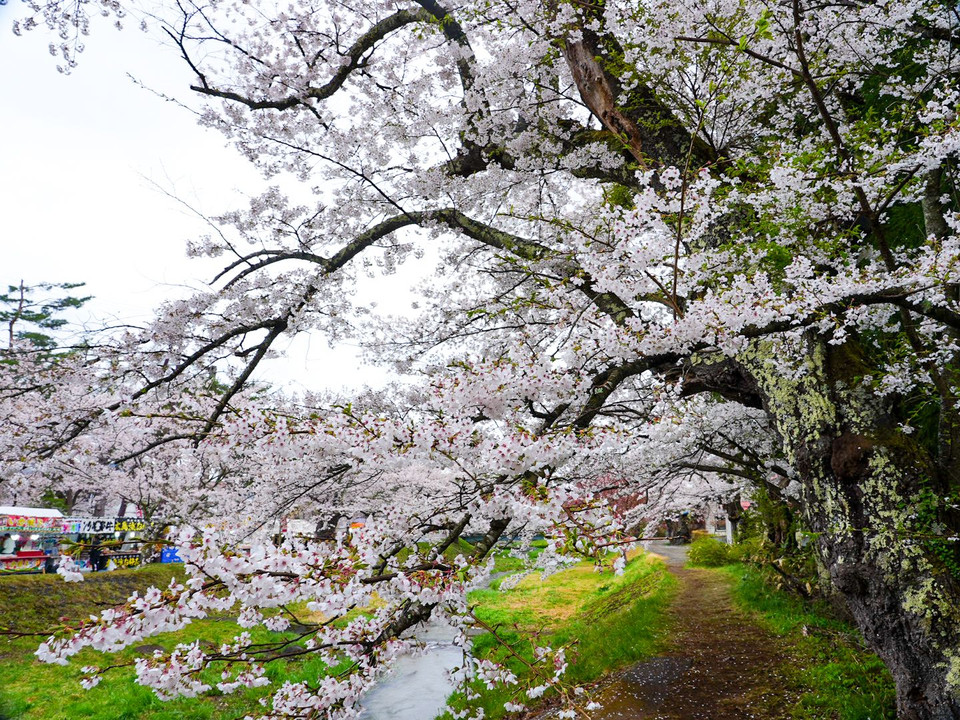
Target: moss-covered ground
(834, 675)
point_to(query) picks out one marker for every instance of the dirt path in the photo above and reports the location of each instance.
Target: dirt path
(719, 665)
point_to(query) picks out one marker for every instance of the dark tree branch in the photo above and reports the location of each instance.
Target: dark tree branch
(363, 45)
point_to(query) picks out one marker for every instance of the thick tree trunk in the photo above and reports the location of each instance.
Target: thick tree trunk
(864, 486)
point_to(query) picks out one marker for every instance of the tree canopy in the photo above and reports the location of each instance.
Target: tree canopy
(718, 238)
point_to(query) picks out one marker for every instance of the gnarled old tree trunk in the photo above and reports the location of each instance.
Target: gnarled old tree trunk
(865, 483)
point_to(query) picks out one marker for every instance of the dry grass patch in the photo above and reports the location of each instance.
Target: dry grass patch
(537, 601)
(309, 616)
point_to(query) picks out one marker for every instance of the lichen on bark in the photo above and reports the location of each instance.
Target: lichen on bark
(862, 481)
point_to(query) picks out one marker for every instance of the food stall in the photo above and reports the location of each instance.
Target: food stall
(127, 533)
(29, 539)
(108, 543)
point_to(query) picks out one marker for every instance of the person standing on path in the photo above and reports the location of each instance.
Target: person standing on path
(96, 556)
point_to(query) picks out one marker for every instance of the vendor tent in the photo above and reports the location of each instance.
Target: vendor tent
(35, 520)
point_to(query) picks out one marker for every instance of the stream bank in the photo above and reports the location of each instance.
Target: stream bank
(716, 664)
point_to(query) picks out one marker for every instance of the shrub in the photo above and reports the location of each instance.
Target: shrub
(708, 552)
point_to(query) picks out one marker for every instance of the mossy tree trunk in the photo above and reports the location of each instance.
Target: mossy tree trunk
(866, 487)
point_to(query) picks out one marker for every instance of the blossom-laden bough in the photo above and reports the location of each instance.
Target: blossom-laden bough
(637, 212)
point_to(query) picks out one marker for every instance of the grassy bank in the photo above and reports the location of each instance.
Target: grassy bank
(838, 679)
(613, 620)
(30, 690)
(37, 602)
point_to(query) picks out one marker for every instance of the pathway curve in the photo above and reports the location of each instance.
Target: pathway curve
(719, 664)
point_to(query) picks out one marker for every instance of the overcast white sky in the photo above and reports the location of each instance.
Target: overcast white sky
(80, 155)
(81, 160)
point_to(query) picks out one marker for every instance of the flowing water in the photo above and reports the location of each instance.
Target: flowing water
(417, 686)
(720, 666)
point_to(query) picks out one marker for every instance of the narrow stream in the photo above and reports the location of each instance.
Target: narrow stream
(417, 686)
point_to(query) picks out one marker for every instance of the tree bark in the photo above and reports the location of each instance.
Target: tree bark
(864, 484)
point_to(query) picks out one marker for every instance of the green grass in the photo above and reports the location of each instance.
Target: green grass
(503, 562)
(34, 690)
(839, 679)
(458, 547)
(30, 690)
(613, 620)
(708, 552)
(37, 602)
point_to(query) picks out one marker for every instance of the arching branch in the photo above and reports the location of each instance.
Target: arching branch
(355, 57)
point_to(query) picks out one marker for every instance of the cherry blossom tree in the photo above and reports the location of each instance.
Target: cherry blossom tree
(629, 205)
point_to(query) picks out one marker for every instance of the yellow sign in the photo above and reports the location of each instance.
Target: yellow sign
(125, 561)
(129, 525)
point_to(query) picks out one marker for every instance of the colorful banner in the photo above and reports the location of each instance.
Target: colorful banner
(101, 526)
(27, 523)
(22, 565)
(122, 560)
(88, 526)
